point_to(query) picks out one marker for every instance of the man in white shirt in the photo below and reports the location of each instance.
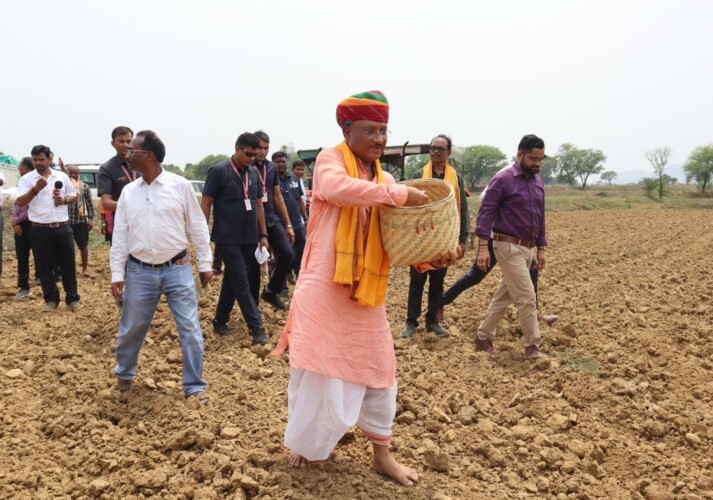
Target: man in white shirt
(149, 257)
(48, 192)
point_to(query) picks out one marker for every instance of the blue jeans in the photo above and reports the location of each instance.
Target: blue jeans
(142, 290)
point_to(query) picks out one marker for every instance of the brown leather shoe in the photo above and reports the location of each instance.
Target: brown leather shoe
(547, 318)
(485, 345)
(532, 352)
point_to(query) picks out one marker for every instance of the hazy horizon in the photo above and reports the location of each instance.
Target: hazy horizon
(622, 77)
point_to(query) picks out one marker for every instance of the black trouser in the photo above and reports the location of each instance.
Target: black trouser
(415, 293)
(217, 259)
(241, 269)
(475, 276)
(282, 252)
(23, 247)
(299, 248)
(55, 245)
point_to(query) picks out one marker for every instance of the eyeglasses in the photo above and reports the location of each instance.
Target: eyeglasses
(437, 149)
(371, 133)
(130, 152)
(536, 159)
(249, 154)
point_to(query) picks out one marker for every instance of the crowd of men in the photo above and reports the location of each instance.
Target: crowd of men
(340, 375)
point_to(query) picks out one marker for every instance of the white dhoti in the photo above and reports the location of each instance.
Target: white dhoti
(321, 409)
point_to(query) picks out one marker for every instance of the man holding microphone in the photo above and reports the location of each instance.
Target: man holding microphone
(48, 192)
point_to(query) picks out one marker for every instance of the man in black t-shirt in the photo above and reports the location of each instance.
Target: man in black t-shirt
(294, 201)
(234, 190)
(113, 176)
(281, 236)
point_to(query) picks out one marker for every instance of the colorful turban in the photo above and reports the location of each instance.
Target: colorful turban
(371, 105)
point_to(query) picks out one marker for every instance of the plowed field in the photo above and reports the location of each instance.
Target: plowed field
(621, 408)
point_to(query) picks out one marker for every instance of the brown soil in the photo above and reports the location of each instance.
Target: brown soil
(620, 409)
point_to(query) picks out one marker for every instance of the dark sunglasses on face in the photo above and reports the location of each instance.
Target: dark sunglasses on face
(249, 154)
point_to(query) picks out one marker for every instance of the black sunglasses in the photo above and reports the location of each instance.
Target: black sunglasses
(249, 154)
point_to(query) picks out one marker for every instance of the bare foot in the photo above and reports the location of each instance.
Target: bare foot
(298, 461)
(388, 466)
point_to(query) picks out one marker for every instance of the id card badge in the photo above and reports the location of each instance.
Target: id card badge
(264, 197)
(248, 205)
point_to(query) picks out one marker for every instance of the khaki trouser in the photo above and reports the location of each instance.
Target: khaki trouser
(515, 288)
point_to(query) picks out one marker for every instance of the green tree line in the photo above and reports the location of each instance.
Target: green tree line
(569, 165)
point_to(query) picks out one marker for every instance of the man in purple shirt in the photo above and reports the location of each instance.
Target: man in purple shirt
(513, 211)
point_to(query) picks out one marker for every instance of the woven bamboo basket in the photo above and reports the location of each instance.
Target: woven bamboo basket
(412, 235)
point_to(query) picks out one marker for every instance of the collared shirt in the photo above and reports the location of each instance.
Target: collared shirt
(292, 194)
(112, 178)
(232, 222)
(463, 210)
(151, 223)
(82, 209)
(515, 206)
(42, 208)
(19, 214)
(302, 187)
(270, 179)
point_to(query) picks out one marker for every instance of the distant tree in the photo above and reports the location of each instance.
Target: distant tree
(650, 185)
(174, 169)
(548, 170)
(414, 163)
(292, 155)
(564, 162)
(578, 164)
(699, 166)
(608, 176)
(200, 169)
(481, 162)
(659, 159)
(669, 180)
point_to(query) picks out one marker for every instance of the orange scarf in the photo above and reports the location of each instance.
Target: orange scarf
(361, 265)
(451, 177)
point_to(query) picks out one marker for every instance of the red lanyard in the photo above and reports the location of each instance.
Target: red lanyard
(243, 182)
(263, 176)
(126, 172)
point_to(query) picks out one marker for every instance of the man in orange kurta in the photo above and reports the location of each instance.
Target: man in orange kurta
(342, 361)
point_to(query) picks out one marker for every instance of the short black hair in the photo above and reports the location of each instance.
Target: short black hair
(121, 130)
(530, 142)
(443, 136)
(279, 154)
(41, 149)
(27, 163)
(298, 163)
(247, 140)
(262, 136)
(153, 143)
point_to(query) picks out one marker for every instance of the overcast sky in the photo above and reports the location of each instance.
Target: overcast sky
(621, 76)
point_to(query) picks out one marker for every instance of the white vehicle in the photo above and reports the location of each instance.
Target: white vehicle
(197, 187)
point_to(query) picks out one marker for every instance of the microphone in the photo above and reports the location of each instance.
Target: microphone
(57, 186)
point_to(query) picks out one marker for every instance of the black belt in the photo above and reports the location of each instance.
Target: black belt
(162, 264)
